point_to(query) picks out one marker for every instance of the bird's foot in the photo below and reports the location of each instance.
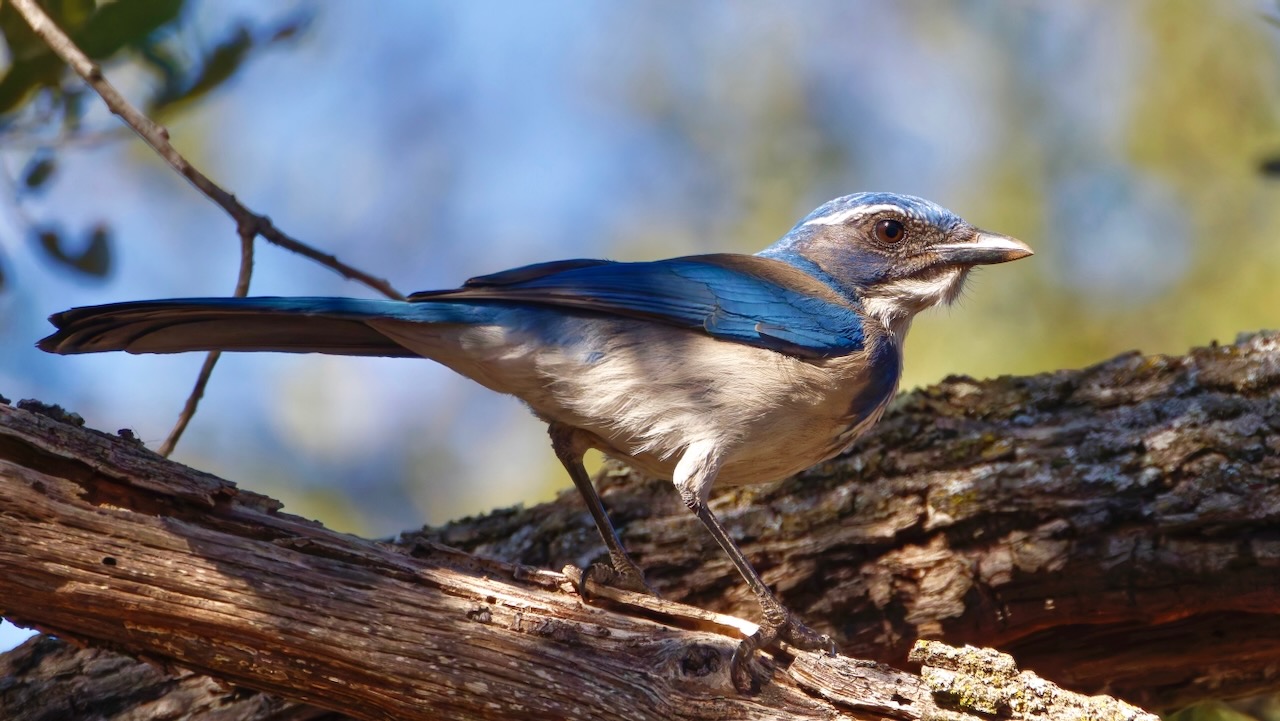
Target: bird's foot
(804, 638)
(777, 626)
(628, 578)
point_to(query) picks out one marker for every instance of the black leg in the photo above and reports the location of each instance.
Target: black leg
(569, 447)
(779, 623)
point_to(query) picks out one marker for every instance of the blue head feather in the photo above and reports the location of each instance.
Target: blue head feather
(910, 205)
(806, 246)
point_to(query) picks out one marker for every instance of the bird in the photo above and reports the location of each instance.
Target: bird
(721, 368)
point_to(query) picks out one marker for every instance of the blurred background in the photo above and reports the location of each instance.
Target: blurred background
(1131, 144)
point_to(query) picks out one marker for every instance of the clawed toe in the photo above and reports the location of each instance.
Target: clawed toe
(806, 639)
(606, 575)
(746, 671)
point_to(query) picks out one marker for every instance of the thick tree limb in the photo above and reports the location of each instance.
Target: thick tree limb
(1112, 527)
(103, 541)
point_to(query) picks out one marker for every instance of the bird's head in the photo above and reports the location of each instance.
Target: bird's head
(897, 254)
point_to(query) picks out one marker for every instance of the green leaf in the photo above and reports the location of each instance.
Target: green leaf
(33, 65)
(222, 63)
(26, 77)
(124, 22)
(18, 37)
(219, 65)
(69, 14)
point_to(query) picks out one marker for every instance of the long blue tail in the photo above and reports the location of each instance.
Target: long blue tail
(287, 325)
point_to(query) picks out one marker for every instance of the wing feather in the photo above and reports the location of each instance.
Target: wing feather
(746, 299)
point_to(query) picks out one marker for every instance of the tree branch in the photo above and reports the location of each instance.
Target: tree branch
(1113, 528)
(105, 542)
(249, 224)
(158, 138)
(211, 359)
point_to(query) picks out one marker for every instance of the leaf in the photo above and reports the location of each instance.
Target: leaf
(217, 65)
(100, 32)
(24, 77)
(124, 22)
(69, 14)
(33, 65)
(51, 240)
(18, 37)
(220, 64)
(94, 260)
(39, 169)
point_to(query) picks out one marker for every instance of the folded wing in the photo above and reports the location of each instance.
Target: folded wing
(741, 298)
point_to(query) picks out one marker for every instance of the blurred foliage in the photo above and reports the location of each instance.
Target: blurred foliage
(1258, 708)
(93, 260)
(43, 104)
(1123, 194)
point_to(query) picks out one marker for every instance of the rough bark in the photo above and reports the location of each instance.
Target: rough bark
(1113, 528)
(105, 542)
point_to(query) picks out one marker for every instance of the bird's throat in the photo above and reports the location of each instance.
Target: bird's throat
(896, 303)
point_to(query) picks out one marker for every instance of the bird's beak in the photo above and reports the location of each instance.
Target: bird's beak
(984, 249)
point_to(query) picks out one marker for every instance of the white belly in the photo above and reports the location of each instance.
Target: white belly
(648, 391)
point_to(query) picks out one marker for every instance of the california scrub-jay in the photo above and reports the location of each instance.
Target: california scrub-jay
(709, 368)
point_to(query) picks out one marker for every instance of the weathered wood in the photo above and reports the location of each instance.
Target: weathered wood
(50, 680)
(1112, 527)
(102, 541)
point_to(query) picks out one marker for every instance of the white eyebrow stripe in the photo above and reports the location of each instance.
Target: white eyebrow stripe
(843, 216)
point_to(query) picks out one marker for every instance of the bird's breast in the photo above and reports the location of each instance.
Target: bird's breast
(801, 437)
(651, 392)
(648, 391)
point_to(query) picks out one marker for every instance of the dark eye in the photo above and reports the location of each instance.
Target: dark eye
(890, 231)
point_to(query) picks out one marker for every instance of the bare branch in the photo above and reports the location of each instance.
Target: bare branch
(211, 360)
(158, 138)
(248, 223)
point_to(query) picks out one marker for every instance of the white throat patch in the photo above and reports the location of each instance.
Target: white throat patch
(896, 304)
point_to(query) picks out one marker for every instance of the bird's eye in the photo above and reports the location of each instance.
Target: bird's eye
(890, 231)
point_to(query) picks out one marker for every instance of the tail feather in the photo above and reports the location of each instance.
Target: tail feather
(286, 325)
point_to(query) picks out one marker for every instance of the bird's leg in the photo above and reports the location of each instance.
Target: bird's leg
(694, 475)
(570, 444)
(778, 623)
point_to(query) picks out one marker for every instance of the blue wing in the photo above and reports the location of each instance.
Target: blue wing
(747, 299)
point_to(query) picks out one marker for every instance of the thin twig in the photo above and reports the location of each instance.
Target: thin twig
(211, 360)
(158, 138)
(249, 224)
